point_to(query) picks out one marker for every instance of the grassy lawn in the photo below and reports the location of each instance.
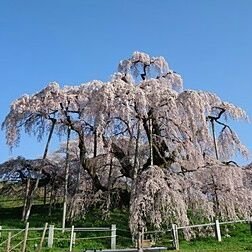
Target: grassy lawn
(238, 237)
(10, 217)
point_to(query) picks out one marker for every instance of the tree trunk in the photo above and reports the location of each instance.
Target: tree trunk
(136, 157)
(158, 148)
(109, 186)
(50, 202)
(75, 195)
(66, 180)
(27, 188)
(86, 166)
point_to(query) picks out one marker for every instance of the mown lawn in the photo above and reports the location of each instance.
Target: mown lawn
(237, 238)
(10, 217)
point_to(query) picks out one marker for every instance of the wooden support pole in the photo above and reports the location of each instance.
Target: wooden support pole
(250, 224)
(66, 181)
(45, 194)
(175, 236)
(50, 236)
(217, 230)
(74, 238)
(64, 214)
(113, 236)
(140, 239)
(71, 239)
(42, 237)
(139, 245)
(25, 236)
(8, 243)
(151, 142)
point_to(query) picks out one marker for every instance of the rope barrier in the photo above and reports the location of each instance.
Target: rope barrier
(123, 230)
(128, 238)
(83, 238)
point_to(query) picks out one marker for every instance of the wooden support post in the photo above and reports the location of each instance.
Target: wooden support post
(250, 224)
(45, 194)
(64, 214)
(50, 236)
(217, 230)
(25, 236)
(8, 243)
(66, 181)
(151, 141)
(71, 239)
(42, 237)
(113, 236)
(74, 238)
(175, 236)
(140, 239)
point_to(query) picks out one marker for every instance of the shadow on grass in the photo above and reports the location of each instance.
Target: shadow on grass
(10, 217)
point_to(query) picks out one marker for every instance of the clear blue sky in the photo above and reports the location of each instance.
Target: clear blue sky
(209, 42)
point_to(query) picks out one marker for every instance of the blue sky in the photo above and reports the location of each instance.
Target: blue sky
(209, 42)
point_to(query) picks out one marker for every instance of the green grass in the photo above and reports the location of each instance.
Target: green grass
(238, 237)
(10, 217)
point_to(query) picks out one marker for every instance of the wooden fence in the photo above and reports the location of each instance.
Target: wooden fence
(48, 236)
(174, 232)
(216, 225)
(18, 238)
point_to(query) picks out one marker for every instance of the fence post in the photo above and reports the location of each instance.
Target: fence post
(113, 236)
(8, 242)
(175, 236)
(0, 231)
(42, 237)
(25, 236)
(217, 230)
(71, 239)
(50, 236)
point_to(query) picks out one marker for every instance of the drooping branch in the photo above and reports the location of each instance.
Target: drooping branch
(215, 118)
